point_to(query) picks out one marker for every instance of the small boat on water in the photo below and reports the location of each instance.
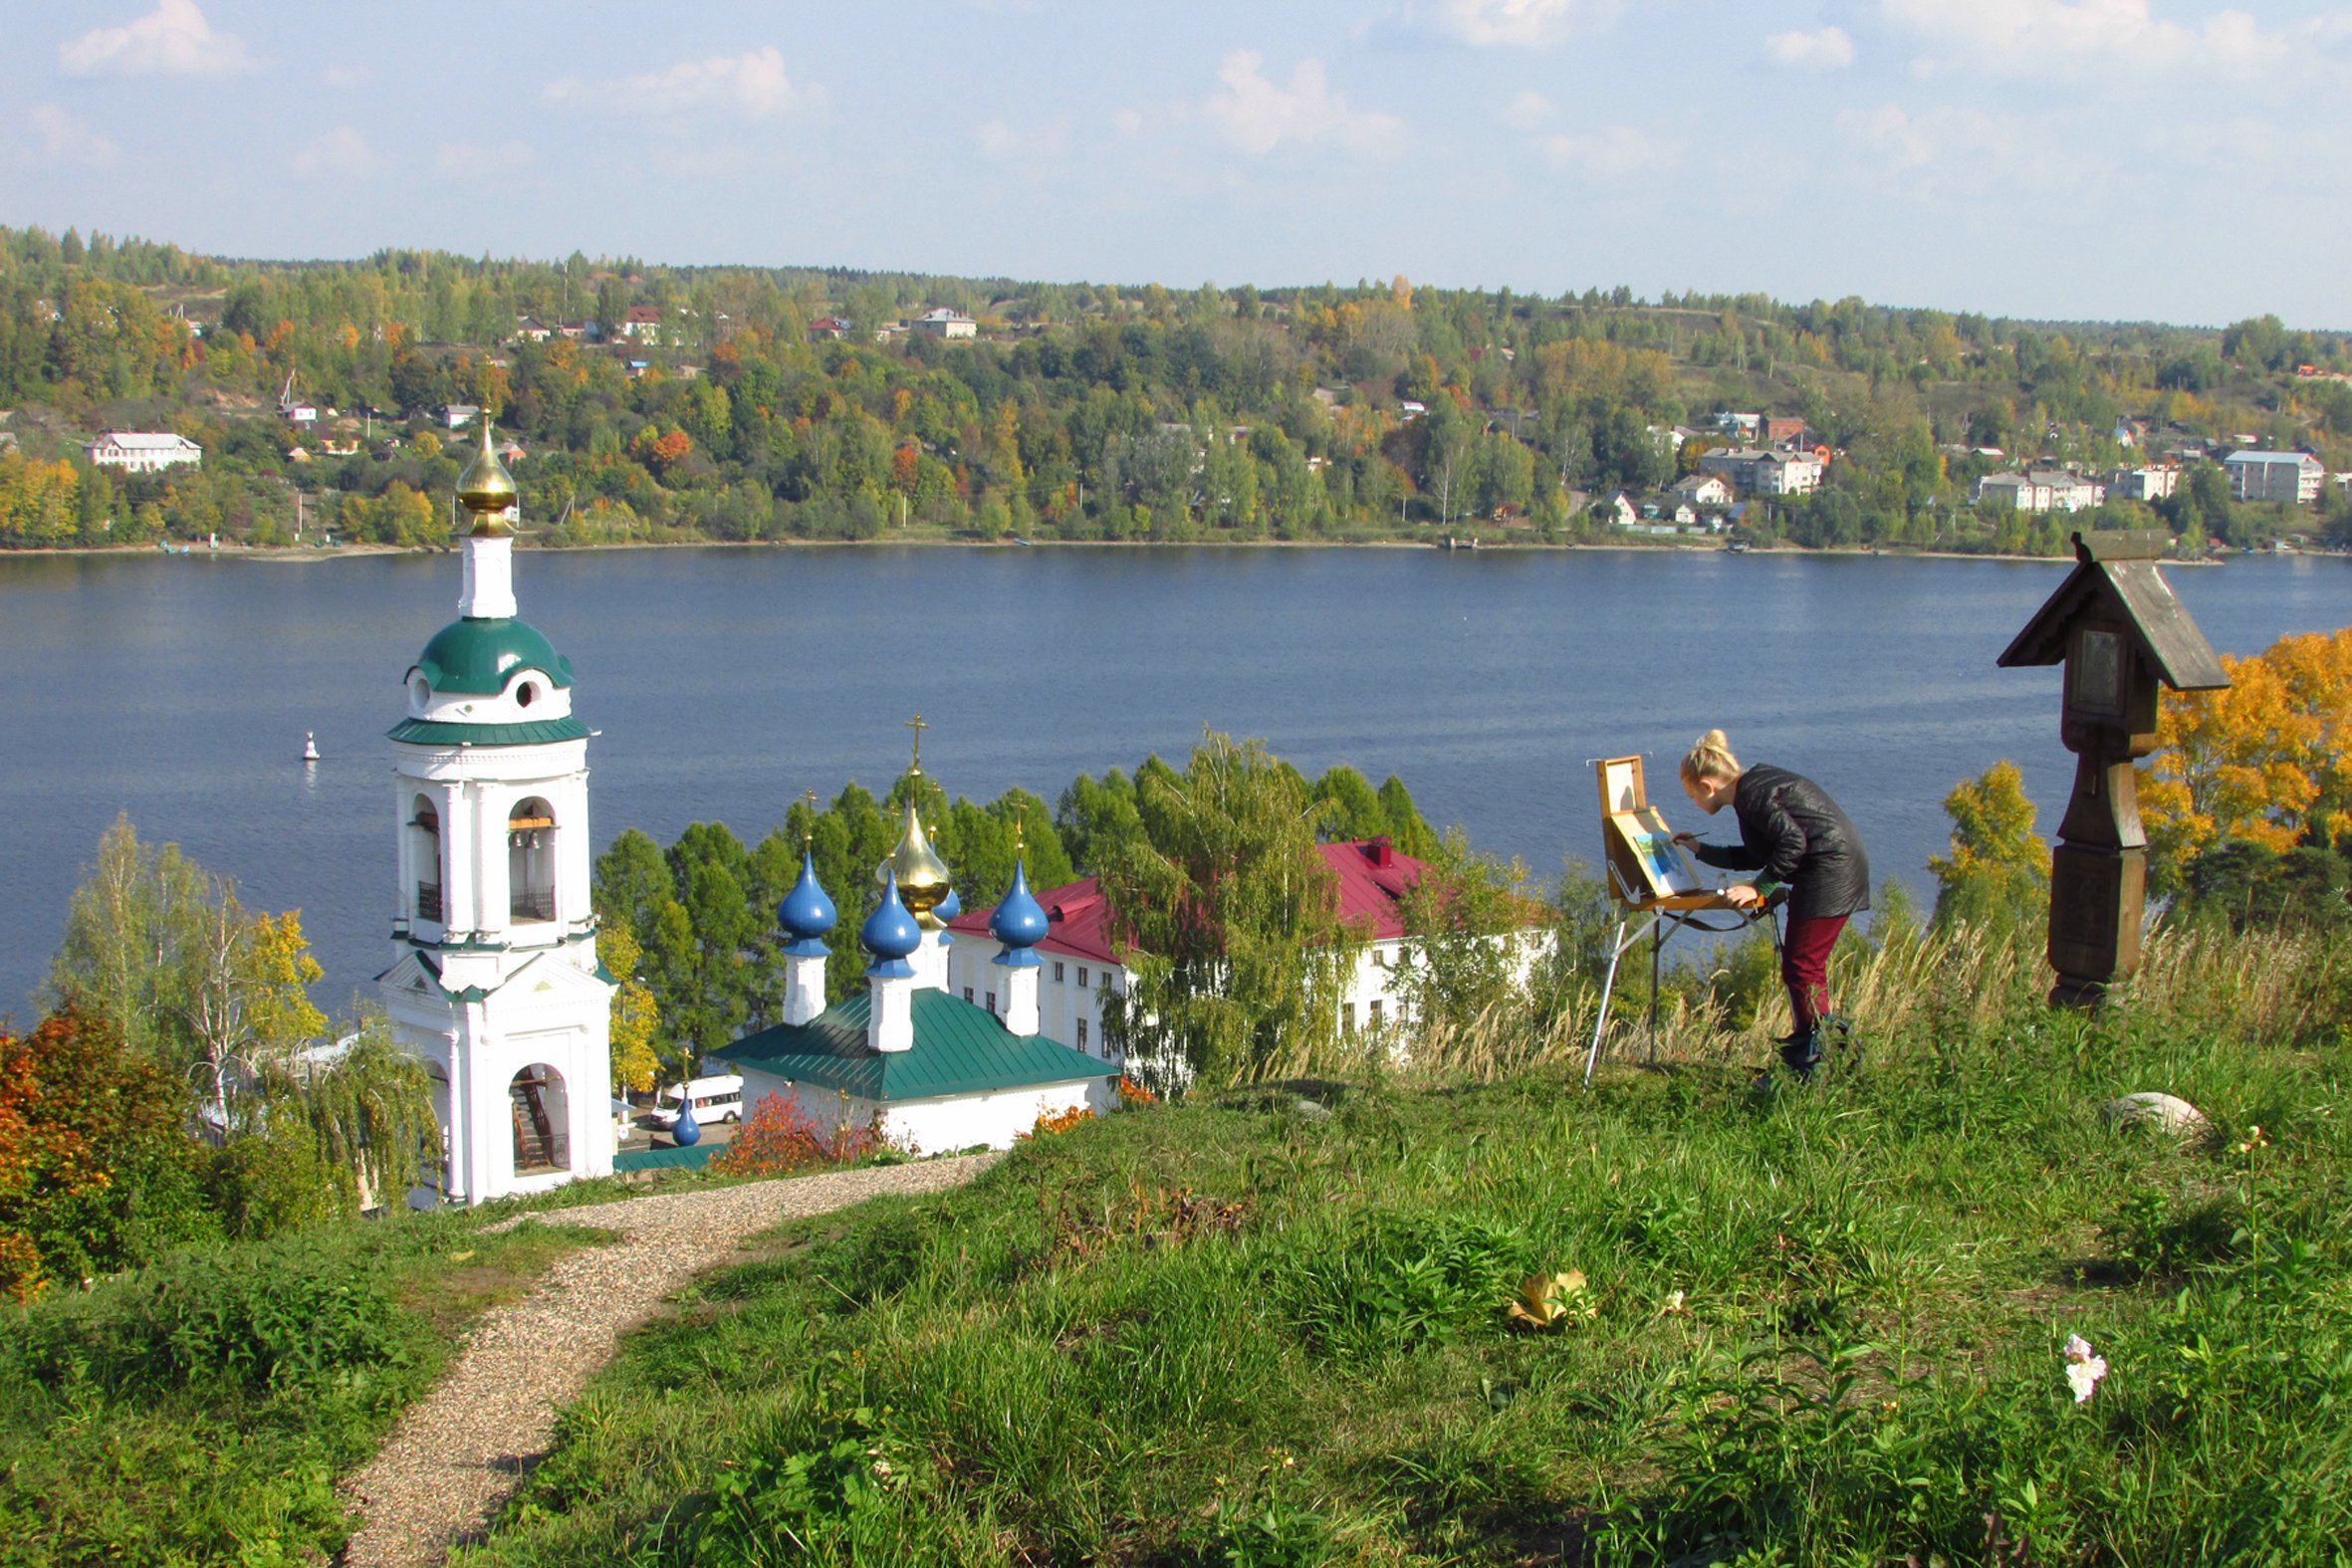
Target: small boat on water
(310, 746)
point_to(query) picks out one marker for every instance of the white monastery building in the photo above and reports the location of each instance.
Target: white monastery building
(929, 1070)
(144, 451)
(496, 983)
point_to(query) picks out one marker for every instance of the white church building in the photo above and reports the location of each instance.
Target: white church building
(496, 984)
(930, 1071)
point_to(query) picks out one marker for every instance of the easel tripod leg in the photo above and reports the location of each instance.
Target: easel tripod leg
(1607, 984)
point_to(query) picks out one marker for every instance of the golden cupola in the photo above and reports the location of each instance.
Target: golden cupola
(922, 877)
(487, 489)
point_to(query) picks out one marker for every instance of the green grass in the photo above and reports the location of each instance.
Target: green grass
(1236, 1333)
(198, 1411)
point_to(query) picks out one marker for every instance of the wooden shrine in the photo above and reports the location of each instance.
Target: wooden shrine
(2119, 630)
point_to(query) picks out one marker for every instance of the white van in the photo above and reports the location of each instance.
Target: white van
(715, 1101)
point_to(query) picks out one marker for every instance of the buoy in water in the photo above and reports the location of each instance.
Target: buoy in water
(310, 746)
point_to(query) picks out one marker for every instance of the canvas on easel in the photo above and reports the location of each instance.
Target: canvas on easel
(1647, 868)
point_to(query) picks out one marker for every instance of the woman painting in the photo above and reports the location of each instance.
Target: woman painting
(1794, 835)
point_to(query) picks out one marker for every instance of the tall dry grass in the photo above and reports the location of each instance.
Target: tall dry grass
(1914, 983)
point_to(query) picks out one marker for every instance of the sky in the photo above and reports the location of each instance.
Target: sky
(2055, 159)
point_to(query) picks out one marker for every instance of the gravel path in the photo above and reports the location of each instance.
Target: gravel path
(454, 1459)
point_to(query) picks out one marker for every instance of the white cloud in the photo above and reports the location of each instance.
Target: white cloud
(1950, 140)
(1511, 24)
(343, 154)
(2059, 36)
(1127, 122)
(58, 138)
(1256, 116)
(1829, 50)
(1619, 152)
(1526, 112)
(456, 160)
(173, 40)
(753, 85)
(340, 76)
(1007, 143)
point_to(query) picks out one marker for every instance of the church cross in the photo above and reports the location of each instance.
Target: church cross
(918, 725)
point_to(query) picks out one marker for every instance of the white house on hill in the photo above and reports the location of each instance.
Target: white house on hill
(144, 451)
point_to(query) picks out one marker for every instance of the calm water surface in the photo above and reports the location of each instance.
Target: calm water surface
(726, 681)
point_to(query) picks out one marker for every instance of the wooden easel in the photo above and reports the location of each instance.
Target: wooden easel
(1654, 883)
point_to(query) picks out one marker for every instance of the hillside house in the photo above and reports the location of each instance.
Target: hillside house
(2275, 476)
(2143, 484)
(1702, 490)
(946, 324)
(642, 324)
(144, 451)
(2039, 490)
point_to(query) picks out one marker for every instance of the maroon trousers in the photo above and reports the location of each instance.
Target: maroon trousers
(1804, 966)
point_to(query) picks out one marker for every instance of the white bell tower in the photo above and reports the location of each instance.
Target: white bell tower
(497, 985)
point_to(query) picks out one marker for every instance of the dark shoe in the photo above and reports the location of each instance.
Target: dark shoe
(1801, 1056)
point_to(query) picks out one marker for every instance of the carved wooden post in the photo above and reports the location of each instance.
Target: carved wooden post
(2119, 630)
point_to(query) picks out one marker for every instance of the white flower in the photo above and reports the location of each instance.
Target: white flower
(2083, 1370)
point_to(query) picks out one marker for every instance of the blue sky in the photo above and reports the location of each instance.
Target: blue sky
(2057, 158)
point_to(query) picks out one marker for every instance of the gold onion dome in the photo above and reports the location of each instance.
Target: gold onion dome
(919, 873)
(487, 490)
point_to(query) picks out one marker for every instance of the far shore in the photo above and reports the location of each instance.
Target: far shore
(286, 554)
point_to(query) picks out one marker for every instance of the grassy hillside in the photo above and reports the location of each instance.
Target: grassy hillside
(1817, 1326)
(198, 1411)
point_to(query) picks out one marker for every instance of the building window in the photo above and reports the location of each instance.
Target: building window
(1082, 1033)
(1082, 976)
(1379, 959)
(967, 994)
(1347, 1018)
(992, 1003)
(1375, 1019)
(1058, 976)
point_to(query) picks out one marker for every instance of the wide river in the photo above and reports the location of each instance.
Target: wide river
(725, 682)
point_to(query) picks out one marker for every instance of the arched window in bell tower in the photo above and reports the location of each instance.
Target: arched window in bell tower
(531, 862)
(424, 856)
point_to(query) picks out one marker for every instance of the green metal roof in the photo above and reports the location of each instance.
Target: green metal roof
(691, 1158)
(477, 658)
(533, 732)
(959, 1049)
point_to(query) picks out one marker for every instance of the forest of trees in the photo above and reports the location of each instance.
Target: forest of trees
(1079, 412)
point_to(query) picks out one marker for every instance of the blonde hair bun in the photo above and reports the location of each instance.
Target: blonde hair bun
(1712, 758)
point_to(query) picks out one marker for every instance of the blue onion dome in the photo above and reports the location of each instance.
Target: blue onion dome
(890, 933)
(687, 1132)
(949, 907)
(805, 913)
(1020, 921)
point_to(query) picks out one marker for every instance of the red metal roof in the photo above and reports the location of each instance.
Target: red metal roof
(1369, 892)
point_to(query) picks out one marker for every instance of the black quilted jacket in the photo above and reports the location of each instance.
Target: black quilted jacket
(1793, 833)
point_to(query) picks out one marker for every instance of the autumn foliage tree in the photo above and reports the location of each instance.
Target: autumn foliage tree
(2267, 761)
(96, 1170)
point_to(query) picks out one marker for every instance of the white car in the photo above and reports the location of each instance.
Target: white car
(714, 1099)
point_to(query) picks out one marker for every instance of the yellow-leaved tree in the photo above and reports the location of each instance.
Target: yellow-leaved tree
(1997, 875)
(635, 1013)
(2267, 759)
